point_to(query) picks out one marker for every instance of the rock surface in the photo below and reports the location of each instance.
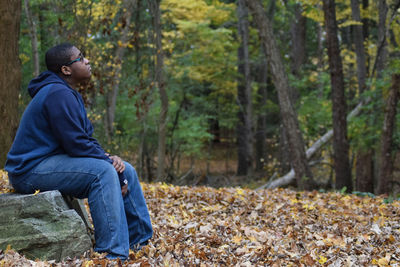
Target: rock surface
(42, 226)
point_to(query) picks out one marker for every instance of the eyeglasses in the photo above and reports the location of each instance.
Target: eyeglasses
(80, 58)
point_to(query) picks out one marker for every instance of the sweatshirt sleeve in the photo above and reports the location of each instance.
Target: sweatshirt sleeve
(69, 123)
(67, 118)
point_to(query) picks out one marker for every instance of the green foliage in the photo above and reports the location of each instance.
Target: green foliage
(364, 130)
(363, 194)
(314, 107)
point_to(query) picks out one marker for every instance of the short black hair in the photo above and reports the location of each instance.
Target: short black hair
(58, 56)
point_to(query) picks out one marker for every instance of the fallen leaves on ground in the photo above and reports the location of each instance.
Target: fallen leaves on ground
(202, 226)
(4, 185)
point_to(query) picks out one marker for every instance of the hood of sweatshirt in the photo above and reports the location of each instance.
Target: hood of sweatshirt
(42, 80)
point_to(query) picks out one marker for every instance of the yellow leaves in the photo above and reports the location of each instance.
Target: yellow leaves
(36, 192)
(109, 45)
(383, 262)
(308, 207)
(348, 23)
(176, 10)
(322, 259)
(239, 191)
(237, 239)
(24, 58)
(5, 187)
(204, 45)
(98, 10)
(88, 263)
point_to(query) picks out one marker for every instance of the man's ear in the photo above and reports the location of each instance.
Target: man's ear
(66, 70)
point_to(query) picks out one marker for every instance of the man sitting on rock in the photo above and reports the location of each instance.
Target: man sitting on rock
(54, 150)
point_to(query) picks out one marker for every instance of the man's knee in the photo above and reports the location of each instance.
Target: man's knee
(131, 172)
(107, 172)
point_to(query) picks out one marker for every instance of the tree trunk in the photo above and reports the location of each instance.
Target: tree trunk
(340, 142)
(298, 33)
(359, 46)
(365, 27)
(382, 38)
(320, 52)
(34, 40)
(10, 80)
(386, 165)
(364, 163)
(289, 117)
(44, 37)
(284, 150)
(244, 127)
(261, 132)
(365, 171)
(159, 78)
(112, 94)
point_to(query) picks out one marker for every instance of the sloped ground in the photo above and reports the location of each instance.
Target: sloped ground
(202, 226)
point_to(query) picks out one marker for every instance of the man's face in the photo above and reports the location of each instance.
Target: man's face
(79, 67)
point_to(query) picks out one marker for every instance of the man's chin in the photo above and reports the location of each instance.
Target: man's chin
(86, 80)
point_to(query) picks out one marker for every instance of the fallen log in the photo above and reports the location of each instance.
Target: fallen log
(289, 177)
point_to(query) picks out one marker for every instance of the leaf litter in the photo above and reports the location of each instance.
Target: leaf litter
(203, 226)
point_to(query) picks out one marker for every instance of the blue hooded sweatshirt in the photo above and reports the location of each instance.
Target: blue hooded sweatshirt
(54, 122)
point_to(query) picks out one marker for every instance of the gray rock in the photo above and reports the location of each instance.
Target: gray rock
(42, 226)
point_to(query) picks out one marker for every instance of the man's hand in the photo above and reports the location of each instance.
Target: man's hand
(118, 163)
(124, 190)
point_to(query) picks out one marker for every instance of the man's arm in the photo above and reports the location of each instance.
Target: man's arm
(67, 119)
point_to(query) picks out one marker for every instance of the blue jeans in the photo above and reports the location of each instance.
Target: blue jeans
(120, 222)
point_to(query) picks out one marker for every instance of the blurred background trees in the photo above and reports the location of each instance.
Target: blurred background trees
(190, 93)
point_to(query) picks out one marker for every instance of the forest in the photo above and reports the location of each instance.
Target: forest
(264, 132)
(260, 94)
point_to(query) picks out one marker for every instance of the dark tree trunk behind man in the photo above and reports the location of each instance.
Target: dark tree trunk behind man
(386, 165)
(364, 159)
(261, 130)
(261, 77)
(10, 69)
(340, 142)
(289, 117)
(33, 35)
(159, 79)
(244, 127)
(298, 33)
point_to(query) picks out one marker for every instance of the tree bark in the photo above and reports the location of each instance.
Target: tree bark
(340, 142)
(382, 38)
(298, 33)
(320, 52)
(386, 166)
(10, 67)
(364, 159)
(359, 46)
(244, 127)
(44, 37)
(289, 117)
(261, 132)
(365, 171)
(159, 78)
(34, 40)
